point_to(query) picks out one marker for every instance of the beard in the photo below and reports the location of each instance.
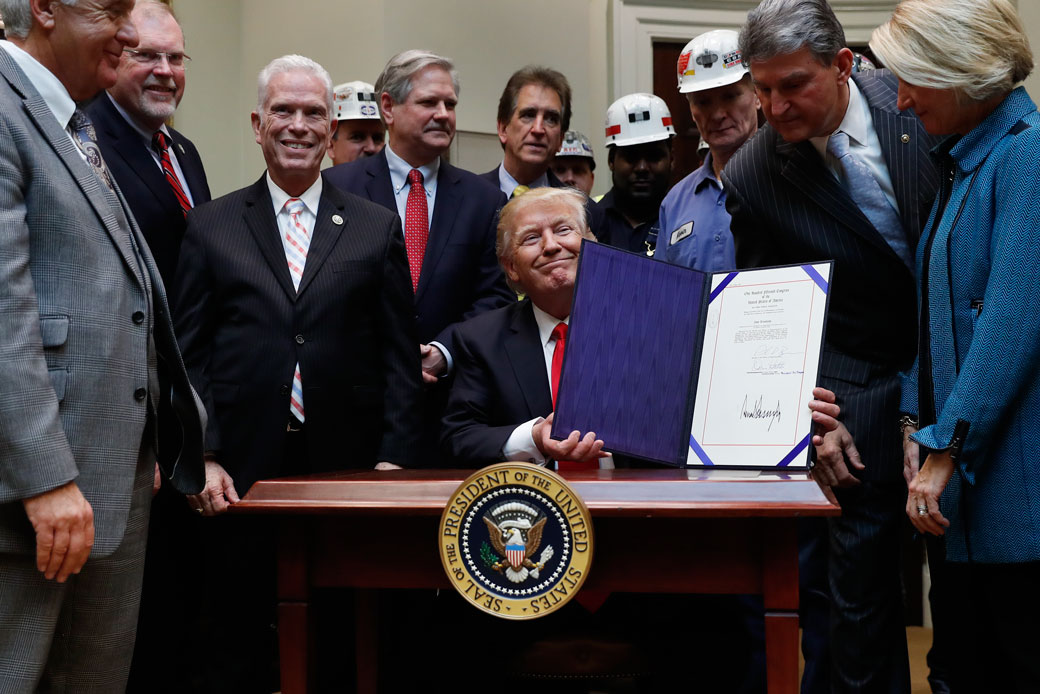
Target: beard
(154, 107)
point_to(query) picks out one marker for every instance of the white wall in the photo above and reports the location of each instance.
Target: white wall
(231, 40)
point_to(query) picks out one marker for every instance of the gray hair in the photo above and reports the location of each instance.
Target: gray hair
(976, 48)
(572, 197)
(781, 27)
(396, 77)
(18, 17)
(291, 63)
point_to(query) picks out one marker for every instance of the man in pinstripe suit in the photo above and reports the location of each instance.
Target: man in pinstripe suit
(791, 202)
(92, 387)
(294, 310)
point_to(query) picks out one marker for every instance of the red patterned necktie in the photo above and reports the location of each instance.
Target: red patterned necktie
(416, 224)
(559, 334)
(160, 146)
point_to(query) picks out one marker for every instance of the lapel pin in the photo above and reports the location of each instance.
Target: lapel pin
(180, 147)
(905, 138)
(337, 220)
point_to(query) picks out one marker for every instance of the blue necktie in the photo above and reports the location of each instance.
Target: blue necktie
(866, 193)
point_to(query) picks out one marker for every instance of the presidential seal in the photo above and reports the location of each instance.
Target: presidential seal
(516, 541)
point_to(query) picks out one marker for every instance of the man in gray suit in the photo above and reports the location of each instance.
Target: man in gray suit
(840, 174)
(92, 388)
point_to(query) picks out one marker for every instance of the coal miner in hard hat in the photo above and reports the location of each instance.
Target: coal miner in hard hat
(575, 164)
(693, 219)
(359, 131)
(639, 135)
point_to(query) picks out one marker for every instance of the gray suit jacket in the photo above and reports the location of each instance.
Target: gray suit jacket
(88, 360)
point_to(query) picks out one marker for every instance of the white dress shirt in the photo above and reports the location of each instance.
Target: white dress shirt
(310, 198)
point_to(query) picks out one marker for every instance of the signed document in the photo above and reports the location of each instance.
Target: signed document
(758, 365)
(693, 369)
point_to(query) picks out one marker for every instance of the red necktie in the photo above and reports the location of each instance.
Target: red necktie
(416, 225)
(559, 333)
(159, 143)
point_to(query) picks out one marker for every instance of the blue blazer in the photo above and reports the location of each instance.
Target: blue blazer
(982, 278)
(143, 184)
(460, 276)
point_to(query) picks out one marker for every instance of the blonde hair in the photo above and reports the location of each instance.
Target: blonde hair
(572, 197)
(977, 48)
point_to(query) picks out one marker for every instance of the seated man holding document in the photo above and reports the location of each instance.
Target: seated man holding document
(509, 359)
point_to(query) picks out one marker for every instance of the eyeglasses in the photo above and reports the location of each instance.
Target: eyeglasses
(152, 58)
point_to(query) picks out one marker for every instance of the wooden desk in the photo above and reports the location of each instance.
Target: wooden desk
(695, 531)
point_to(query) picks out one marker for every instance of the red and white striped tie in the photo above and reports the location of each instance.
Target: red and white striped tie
(159, 143)
(297, 241)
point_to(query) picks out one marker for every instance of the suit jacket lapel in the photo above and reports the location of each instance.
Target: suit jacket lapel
(325, 234)
(526, 356)
(259, 217)
(901, 157)
(104, 202)
(129, 146)
(192, 169)
(378, 186)
(445, 206)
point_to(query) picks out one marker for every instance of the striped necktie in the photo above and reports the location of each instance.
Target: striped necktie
(159, 145)
(297, 241)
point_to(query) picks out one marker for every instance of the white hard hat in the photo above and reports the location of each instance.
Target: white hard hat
(638, 118)
(354, 101)
(575, 145)
(711, 60)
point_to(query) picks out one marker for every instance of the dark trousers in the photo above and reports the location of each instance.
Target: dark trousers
(868, 633)
(994, 635)
(943, 599)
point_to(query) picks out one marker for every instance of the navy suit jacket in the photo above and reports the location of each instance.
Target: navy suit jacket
(786, 207)
(500, 383)
(243, 328)
(143, 184)
(460, 275)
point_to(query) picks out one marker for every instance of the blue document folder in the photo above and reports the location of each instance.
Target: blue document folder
(633, 358)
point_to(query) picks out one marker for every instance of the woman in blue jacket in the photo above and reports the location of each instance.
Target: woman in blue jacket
(976, 384)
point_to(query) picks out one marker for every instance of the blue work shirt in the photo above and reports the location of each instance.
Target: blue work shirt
(694, 224)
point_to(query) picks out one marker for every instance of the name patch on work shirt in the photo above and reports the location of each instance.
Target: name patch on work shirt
(681, 233)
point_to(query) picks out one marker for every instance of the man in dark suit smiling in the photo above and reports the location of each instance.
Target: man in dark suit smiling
(294, 309)
(157, 168)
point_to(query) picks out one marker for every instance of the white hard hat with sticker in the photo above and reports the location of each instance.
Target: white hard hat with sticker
(637, 118)
(355, 101)
(711, 60)
(575, 145)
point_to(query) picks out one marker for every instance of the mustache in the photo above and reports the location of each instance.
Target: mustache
(154, 81)
(437, 127)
